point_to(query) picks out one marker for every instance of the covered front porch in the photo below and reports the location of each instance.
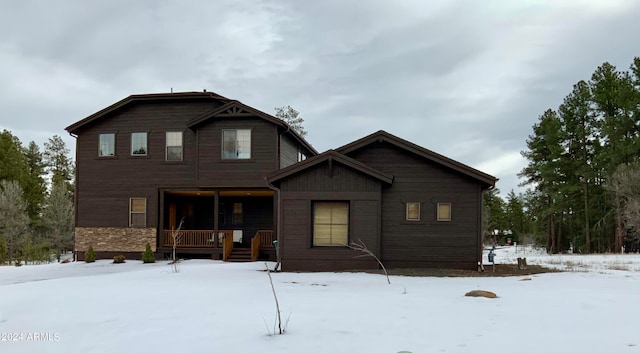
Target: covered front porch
(229, 225)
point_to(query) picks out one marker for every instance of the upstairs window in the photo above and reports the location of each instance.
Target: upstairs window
(107, 145)
(139, 144)
(444, 212)
(174, 146)
(330, 223)
(413, 211)
(236, 144)
(137, 212)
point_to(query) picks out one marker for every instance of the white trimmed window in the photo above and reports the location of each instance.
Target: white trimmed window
(236, 144)
(137, 212)
(107, 145)
(330, 223)
(139, 144)
(413, 211)
(174, 146)
(444, 212)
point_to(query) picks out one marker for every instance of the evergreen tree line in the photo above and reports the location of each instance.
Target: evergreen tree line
(583, 171)
(36, 200)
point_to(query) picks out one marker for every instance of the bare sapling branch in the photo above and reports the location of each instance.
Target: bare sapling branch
(275, 297)
(360, 246)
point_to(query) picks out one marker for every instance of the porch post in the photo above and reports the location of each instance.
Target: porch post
(216, 210)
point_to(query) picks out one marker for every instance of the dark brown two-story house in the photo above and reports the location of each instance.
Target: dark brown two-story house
(222, 180)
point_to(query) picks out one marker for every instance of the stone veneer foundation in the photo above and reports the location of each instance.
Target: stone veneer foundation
(109, 239)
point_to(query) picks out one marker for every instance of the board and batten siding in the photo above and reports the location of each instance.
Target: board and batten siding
(300, 191)
(427, 242)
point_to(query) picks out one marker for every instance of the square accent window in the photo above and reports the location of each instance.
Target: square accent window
(444, 212)
(137, 212)
(174, 146)
(330, 223)
(139, 144)
(413, 211)
(107, 145)
(236, 144)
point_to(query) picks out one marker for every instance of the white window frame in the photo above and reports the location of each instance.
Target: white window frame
(408, 205)
(240, 145)
(174, 144)
(105, 143)
(440, 217)
(135, 148)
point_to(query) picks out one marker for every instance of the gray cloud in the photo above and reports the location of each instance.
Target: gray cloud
(464, 78)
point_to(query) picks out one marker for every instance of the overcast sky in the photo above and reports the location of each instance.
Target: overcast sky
(466, 79)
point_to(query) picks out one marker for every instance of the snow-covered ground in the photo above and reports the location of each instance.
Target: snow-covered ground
(210, 306)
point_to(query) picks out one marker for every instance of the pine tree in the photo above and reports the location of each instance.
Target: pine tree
(57, 218)
(58, 162)
(34, 185)
(90, 255)
(147, 255)
(14, 220)
(292, 118)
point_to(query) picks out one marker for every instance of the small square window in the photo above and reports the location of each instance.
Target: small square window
(413, 211)
(444, 212)
(174, 146)
(139, 144)
(107, 145)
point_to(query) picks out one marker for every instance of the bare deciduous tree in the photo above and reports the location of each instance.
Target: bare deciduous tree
(14, 220)
(360, 246)
(176, 237)
(625, 184)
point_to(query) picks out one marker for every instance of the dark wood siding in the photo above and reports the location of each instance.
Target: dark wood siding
(214, 171)
(426, 242)
(106, 184)
(299, 191)
(288, 152)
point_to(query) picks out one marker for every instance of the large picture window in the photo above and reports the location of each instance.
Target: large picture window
(139, 144)
(330, 223)
(107, 145)
(137, 212)
(174, 146)
(236, 144)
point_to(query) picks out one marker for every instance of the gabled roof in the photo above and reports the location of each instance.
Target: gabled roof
(236, 108)
(143, 97)
(329, 156)
(383, 136)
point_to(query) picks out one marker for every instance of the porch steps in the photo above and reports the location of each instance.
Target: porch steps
(240, 255)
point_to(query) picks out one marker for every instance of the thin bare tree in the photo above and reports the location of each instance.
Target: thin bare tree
(360, 246)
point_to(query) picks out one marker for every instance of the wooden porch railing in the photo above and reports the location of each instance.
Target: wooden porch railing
(196, 238)
(266, 238)
(227, 245)
(262, 240)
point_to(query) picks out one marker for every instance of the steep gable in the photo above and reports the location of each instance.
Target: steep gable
(329, 157)
(383, 136)
(132, 99)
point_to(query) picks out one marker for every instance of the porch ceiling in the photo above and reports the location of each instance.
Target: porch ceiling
(225, 193)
